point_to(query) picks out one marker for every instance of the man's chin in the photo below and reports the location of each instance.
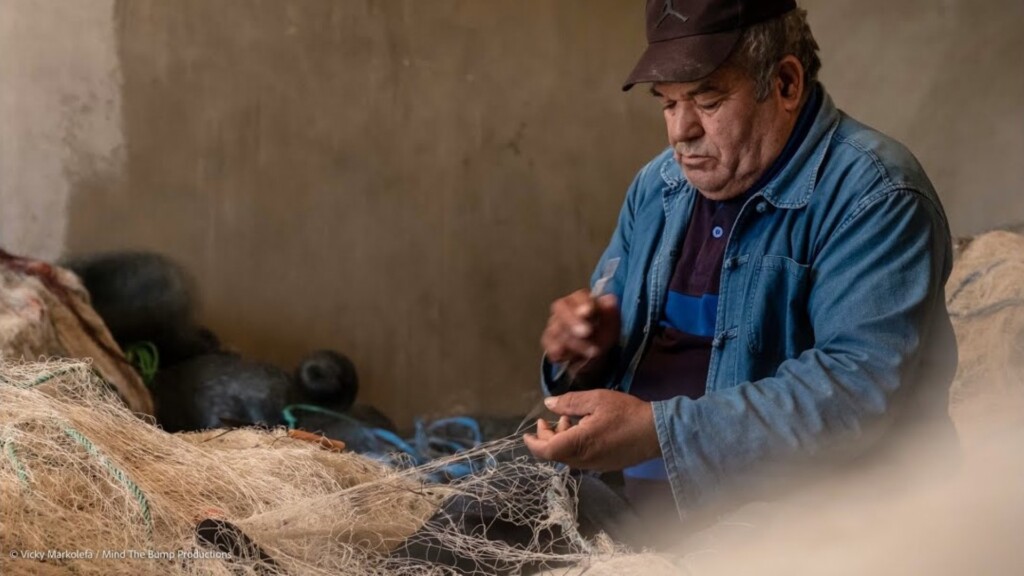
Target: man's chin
(720, 196)
(713, 190)
(703, 181)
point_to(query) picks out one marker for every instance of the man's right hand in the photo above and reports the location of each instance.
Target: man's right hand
(581, 329)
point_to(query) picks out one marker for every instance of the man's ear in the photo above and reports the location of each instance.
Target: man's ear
(791, 81)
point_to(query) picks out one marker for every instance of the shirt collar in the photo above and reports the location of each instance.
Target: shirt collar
(803, 126)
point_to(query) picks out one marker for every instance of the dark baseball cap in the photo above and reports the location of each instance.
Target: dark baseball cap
(689, 39)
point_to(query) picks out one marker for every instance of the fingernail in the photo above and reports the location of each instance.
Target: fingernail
(550, 402)
(580, 330)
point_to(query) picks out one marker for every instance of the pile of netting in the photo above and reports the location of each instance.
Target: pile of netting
(985, 297)
(86, 487)
(45, 312)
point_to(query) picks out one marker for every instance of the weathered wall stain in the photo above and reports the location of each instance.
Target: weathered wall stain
(408, 182)
(60, 115)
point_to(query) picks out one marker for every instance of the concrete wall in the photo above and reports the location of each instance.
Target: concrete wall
(409, 182)
(945, 77)
(59, 114)
(412, 182)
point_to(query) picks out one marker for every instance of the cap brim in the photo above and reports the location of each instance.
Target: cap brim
(683, 59)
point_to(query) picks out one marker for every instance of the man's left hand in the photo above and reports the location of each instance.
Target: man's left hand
(616, 430)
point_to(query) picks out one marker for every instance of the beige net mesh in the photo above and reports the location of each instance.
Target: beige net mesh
(985, 296)
(88, 488)
(45, 312)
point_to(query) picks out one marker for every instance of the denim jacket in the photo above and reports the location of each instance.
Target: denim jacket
(831, 326)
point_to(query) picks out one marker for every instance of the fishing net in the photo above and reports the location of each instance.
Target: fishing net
(986, 303)
(86, 487)
(45, 312)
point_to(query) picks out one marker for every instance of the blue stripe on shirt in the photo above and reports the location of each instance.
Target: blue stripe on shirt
(649, 470)
(694, 315)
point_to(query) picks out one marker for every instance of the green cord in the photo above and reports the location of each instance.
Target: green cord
(292, 421)
(146, 359)
(50, 376)
(13, 457)
(120, 475)
(47, 377)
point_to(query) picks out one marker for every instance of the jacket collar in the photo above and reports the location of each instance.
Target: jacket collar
(792, 185)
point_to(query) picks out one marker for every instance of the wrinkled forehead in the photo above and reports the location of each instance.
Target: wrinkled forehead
(726, 78)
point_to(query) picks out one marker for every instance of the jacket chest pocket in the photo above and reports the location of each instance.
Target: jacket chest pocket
(778, 325)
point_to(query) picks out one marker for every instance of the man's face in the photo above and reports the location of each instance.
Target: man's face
(724, 139)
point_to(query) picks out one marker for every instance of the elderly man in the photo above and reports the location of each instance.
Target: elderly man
(778, 299)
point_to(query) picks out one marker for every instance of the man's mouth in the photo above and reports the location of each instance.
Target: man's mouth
(694, 161)
(689, 159)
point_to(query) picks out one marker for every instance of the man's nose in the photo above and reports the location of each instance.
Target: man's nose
(683, 123)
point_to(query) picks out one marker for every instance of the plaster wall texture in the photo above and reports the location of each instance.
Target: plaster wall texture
(945, 78)
(60, 111)
(413, 182)
(408, 182)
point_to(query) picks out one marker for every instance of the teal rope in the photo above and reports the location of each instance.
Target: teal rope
(120, 475)
(12, 455)
(50, 376)
(47, 377)
(146, 359)
(292, 421)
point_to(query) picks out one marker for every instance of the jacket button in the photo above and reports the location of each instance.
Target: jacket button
(762, 207)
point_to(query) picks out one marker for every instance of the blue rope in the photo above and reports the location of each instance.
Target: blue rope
(394, 440)
(428, 443)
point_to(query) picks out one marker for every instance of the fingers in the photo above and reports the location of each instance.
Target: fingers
(607, 304)
(561, 346)
(567, 447)
(616, 430)
(568, 336)
(544, 431)
(576, 306)
(575, 403)
(563, 424)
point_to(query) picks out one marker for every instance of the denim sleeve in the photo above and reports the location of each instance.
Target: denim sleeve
(876, 284)
(618, 247)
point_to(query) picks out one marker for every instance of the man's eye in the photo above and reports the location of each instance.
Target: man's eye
(668, 105)
(709, 106)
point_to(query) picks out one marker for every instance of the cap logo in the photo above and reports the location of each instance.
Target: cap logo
(670, 10)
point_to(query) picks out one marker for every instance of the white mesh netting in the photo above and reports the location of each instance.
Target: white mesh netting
(94, 490)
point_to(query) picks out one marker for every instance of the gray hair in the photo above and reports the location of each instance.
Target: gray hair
(762, 46)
